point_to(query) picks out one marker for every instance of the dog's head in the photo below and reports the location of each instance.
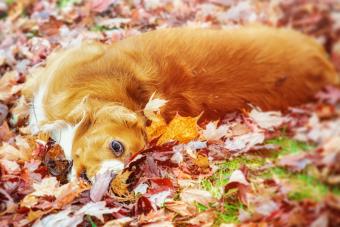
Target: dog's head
(105, 138)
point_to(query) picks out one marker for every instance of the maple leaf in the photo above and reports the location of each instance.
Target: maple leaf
(119, 185)
(202, 161)
(212, 132)
(9, 152)
(180, 207)
(330, 95)
(5, 132)
(3, 112)
(181, 129)
(156, 129)
(100, 186)
(204, 219)
(9, 86)
(193, 195)
(152, 108)
(267, 120)
(100, 5)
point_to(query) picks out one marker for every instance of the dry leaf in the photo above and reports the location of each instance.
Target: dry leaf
(118, 184)
(193, 195)
(156, 129)
(212, 132)
(34, 215)
(202, 161)
(182, 129)
(8, 86)
(180, 207)
(152, 108)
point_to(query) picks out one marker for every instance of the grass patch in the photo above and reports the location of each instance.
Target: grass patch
(229, 215)
(215, 184)
(64, 3)
(304, 186)
(289, 146)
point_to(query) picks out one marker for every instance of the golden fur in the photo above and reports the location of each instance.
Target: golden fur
(105, 87)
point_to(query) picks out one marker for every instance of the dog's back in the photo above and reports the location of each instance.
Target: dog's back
(222, 70)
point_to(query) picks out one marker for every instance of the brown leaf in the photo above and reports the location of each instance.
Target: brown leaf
(193, 195)
(180, 207)
(50, 27)
(5, 132)
(8, 86)
(100, 5)
(3, 112)
(203, 219)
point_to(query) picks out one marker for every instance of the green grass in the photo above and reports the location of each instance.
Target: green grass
(304, 185)
(229, 215)
(64, 3)
(215, 184)
(289, 146)
(9, 2)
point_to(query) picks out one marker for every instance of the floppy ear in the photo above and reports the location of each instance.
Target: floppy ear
(118, 114)
(84, 114)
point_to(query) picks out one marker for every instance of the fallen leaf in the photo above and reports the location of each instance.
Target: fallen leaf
(8, 86)
(193, 195)
(181, 129)
(119, 185)
(330, 95)
(244, 142)
(153, 107)
(156, 129)
(295, 162)
(9, 152)
(180, 207)
(100, 186)
(214, 132)
(100, 5)
(5, 132)
(203, 219)
(202, 161)
(267, 120)
(3, 113)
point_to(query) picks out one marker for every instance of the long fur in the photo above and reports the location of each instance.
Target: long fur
(214, 71)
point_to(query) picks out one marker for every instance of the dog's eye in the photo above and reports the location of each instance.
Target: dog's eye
(117, 148)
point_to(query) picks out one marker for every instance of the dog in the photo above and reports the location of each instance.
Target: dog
(90, 98)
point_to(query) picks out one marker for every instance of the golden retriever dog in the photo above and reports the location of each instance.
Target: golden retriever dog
(90, 98)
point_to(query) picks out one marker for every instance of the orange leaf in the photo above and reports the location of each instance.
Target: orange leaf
(202, 161)
(182, 129)
(119, 185)
(156, 129)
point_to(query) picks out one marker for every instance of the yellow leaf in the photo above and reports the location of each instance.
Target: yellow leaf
(181, 129)
(156, 129)
(119, 185)
(34, 215)
(202, 161)
(29, 201)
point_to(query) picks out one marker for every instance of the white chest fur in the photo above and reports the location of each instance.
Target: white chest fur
(62, 132)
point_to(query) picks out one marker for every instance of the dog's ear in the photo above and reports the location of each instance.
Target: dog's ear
(84, 115)
(118, 114)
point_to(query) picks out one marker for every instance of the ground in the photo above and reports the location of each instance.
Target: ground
(249, 169)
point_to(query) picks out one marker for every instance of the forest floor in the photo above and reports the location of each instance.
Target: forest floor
(249, 169)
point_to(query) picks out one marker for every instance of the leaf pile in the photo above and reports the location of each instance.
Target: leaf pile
(251, 168)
